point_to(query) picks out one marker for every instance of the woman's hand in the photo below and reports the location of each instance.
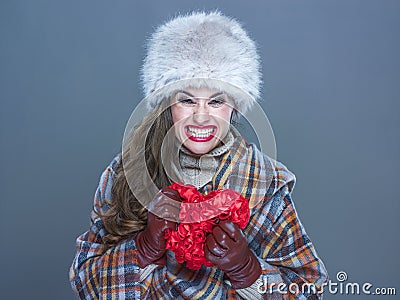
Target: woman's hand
(227, 248)
(150, 243)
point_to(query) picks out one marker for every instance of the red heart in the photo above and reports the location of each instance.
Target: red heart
(199, 214)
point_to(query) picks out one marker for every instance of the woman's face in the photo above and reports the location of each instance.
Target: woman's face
(201, 118)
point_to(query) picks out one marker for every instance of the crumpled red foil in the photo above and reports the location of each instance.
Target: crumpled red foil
(198, 215)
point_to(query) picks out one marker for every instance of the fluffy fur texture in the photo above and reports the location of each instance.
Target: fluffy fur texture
(202, 49)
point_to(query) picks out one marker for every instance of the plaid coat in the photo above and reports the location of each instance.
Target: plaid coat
(274, 233)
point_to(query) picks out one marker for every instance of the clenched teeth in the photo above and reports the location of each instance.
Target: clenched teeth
(200, 133)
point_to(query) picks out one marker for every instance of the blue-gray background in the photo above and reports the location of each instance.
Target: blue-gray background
(69, 79)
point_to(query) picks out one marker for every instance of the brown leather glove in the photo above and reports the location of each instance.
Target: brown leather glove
(150, 243)
(226, 247)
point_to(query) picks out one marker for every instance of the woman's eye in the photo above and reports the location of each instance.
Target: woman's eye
(216, 102)
(186, 101)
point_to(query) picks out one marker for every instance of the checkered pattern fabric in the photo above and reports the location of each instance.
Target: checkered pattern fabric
(274, 233)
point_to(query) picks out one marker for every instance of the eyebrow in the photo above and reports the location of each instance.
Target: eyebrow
(212, 96)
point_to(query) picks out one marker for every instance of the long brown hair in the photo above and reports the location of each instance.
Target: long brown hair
(127, 215)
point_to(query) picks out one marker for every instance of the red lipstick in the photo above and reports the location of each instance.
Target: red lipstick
(193, 136)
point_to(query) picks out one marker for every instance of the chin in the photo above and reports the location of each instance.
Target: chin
(199, 149)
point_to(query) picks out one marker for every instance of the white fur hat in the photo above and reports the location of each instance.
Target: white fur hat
(202, 49)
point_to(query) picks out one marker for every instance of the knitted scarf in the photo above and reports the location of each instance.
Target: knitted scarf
(248, 171)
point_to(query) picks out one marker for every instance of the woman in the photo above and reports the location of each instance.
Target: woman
(200, 72)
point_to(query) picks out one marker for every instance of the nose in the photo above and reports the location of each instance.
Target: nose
(201, 114)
